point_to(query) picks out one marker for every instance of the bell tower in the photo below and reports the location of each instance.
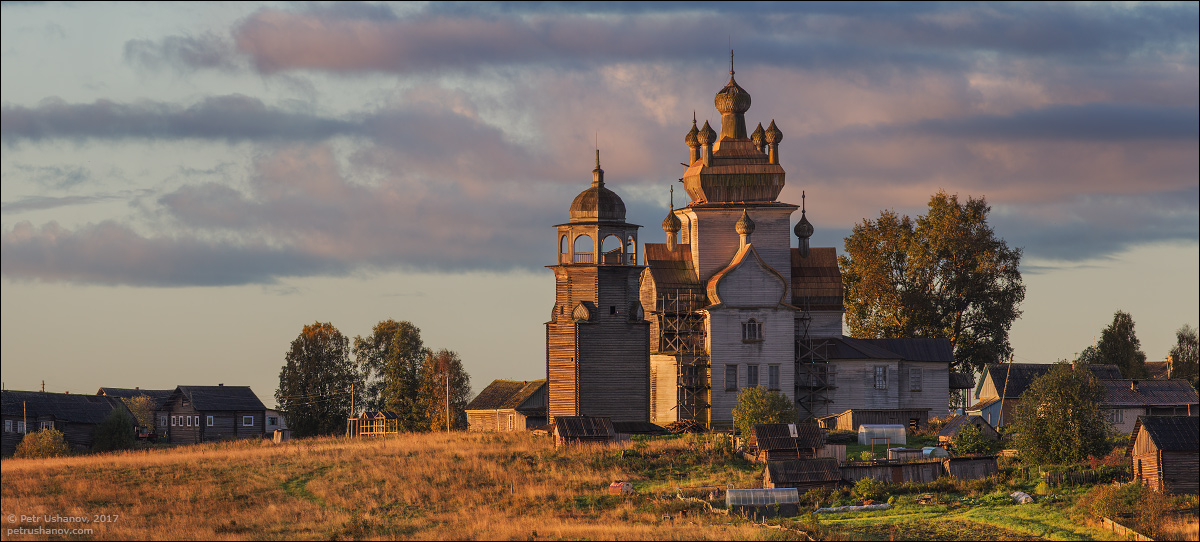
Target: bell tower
(597, 338)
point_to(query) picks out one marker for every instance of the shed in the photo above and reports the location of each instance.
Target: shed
(780, 441)
(763, 502)
(956, 423)
(508, 405)
(971, 467)
(1165, 451)
(894, 472)
(575, 430)
(852, 419)
(886, 434)
(802, 474)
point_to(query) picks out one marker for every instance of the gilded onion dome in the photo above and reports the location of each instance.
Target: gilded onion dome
(692, 136)
(744, 225)
(773, 135)
(707, 135)
(732, 98)
(671, 224)
(597, 203)
(758, 137)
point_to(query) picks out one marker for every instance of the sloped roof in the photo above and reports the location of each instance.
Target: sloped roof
(221, 397)
(1023, 374)
(983, 403)
(778, 436)
(1158, 370)
(817, 279)
(799, 471)
(746, 254)
(957, 422)
(1149, 393)
(505, 394)
(86, 409)
(917, 349)
(851, 348)
(1104, 371)
(584, 426)
(375, 414)
(961, 381)
(159, 396)
(672, 269)
(1169, 433)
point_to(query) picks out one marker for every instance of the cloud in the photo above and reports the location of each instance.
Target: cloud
(1089, 122)
(41, 203)
(184, 53)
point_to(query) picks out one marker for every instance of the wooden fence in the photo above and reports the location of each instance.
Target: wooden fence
(1123, 530)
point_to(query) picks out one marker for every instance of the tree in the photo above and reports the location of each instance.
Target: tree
(945, 275)
(437, 367)
(1058, 419)
(1119, 345)
(44, 443)
(317, 381)
(115, 432)
(142, 407)
(1186, 354)
(971, 440)
(759, 405)
(390, 358)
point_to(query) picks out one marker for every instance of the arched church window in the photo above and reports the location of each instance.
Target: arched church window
(611, 248)
(563, 247)
(583, 249)
(752, 330)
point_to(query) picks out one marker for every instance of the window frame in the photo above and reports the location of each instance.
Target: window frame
(21, 427)
(773, 377)
(752, 331)
(272, 420)
(251, 418)
(731, 384)
(914, 379)
(210, 421)
(752, 369)
(45, 424)
(880, 377)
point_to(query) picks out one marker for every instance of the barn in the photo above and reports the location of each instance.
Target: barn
(577, 430)
(508, 405)
(1165, 451)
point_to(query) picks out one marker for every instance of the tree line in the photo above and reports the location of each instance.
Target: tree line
(326, 378)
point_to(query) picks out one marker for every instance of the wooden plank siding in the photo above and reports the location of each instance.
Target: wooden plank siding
(726, 347)
(714, 240)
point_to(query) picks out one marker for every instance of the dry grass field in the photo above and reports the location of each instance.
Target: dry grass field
(419, 486)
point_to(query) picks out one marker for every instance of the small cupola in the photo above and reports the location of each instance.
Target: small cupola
(732, 101)
(803, 229)
(744, 228)
(759, 138)
(706, 137)
(693, 142)
(774, 137)
(597, 203)
(671, 224)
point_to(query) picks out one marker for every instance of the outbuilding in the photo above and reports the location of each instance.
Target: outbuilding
(886, 434)
(1165, 451)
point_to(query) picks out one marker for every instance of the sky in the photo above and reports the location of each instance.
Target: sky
(186, 186)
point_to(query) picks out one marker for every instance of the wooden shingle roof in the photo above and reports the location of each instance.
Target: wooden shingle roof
(85, 409)
(1169, 433)
(505, 394)
(816, 280)
(672, 270)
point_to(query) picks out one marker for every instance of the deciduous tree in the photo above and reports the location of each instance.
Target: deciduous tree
(142, 407)
(435, 370)
(390, 358)
(1058, 419)
(759, 405)
(316, 381)
(1186, 353)
(945, 274)
(1119, 345)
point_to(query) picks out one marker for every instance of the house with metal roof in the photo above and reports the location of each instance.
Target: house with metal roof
(956, 423)
(1001, 387)
(1165, 451)
(508, 405)
(208, 413)
(1126, 400)
(76, 416)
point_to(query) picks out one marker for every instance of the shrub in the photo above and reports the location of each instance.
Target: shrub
(115, 432)
(971, 440)
(842, 436)
(44, 443)
(870, 488)
(760, 405)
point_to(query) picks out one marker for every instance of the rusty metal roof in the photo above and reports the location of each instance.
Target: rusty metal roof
(584, 426)
(505, 394)
(1169, 433)
(1149, 393)
(799, 471)
(778, 436)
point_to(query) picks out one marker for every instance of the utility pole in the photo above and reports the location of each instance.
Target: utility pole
(447, 399)
(1004, 394)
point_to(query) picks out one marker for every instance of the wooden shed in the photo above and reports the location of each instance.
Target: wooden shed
(971, 467)
(956, 423)
(576, 430)
(852, 419)
(508, 405)
(895, 472)
(802, 474)
(1165, 452)
(782, 441)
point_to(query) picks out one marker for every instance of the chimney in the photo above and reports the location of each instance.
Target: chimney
(1133, 385)
(1170, 365)
(221, 384)
(137, 387)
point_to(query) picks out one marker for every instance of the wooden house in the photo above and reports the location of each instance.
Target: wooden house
(802, 474)
(76, 416)
(782, 441)
(508, 405)
(208, 413)
(1166, 451)
(580, 430)
(956, 423)
(1125, 400)
(161, 414)
(1010, 380)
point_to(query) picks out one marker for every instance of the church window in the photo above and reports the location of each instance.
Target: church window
(752, 330)
(583, 249)
(773, 377)
(731, 376)
(881, 377)
(914, 379)
(752, 376)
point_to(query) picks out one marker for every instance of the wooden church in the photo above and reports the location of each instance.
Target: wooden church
(724, 304)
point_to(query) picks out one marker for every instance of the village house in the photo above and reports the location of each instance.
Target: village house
(207, 413)
(161, 414)
(508, 405)
(1126, 400)
(1018, 377)
(956, 423)
(1165, 451)
(76, 416)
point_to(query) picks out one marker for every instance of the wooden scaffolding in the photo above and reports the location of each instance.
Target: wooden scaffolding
(683, 336)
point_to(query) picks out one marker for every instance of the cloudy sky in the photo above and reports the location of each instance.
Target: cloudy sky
(186, 186)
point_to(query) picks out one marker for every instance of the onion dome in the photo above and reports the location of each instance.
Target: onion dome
(758, 137)
(773, 134)
(671, 224)
(733, 99)
(597, 203)
(744, 225)
(691, 137)
(803, 229)
(707, 135)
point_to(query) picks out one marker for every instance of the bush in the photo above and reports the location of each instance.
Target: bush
(870, 488)
(115, 432)
(971, 440)
(760, 405)
(44, 443)
(842, 436)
